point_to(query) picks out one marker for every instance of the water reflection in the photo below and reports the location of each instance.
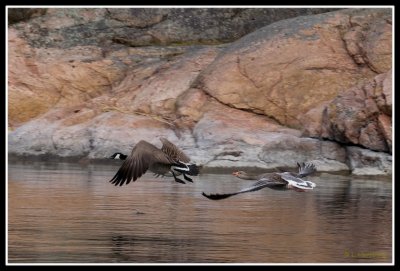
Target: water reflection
(67, 213)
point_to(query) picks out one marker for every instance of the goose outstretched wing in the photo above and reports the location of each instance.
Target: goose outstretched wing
(173, 151)
(143, 155)
(262, 183)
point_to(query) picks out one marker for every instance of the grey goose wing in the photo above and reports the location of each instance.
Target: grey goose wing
(262, 183)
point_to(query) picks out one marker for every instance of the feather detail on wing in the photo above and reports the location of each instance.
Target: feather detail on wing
(306, 169)
(173, 151)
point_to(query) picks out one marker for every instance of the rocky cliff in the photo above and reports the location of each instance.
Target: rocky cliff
(233, 87)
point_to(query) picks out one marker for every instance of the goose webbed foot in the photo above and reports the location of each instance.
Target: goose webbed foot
(187, 178)
(177, 179)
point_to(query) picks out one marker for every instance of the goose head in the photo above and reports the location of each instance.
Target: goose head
(117, 156)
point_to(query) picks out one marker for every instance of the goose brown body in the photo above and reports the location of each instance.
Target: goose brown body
(169, 160)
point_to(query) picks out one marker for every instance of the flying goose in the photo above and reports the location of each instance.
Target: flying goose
(167, 161)
(276, 180)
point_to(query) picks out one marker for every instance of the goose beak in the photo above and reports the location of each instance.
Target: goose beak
(236, 173)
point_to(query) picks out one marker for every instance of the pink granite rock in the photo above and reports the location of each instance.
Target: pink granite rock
(79, 85)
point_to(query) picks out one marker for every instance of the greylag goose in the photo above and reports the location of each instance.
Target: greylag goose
(276, 180)
(167, 161)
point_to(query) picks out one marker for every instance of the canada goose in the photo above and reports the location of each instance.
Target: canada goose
(276, 180)
(167, 161)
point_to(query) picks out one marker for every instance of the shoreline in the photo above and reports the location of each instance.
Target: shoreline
(84, 161)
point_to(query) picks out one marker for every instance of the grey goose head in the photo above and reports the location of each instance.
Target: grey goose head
(169, 160)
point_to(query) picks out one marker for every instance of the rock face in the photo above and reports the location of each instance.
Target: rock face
(290, 67)
(90, 82)
(355, 117)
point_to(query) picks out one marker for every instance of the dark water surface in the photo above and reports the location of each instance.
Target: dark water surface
(68, 213)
